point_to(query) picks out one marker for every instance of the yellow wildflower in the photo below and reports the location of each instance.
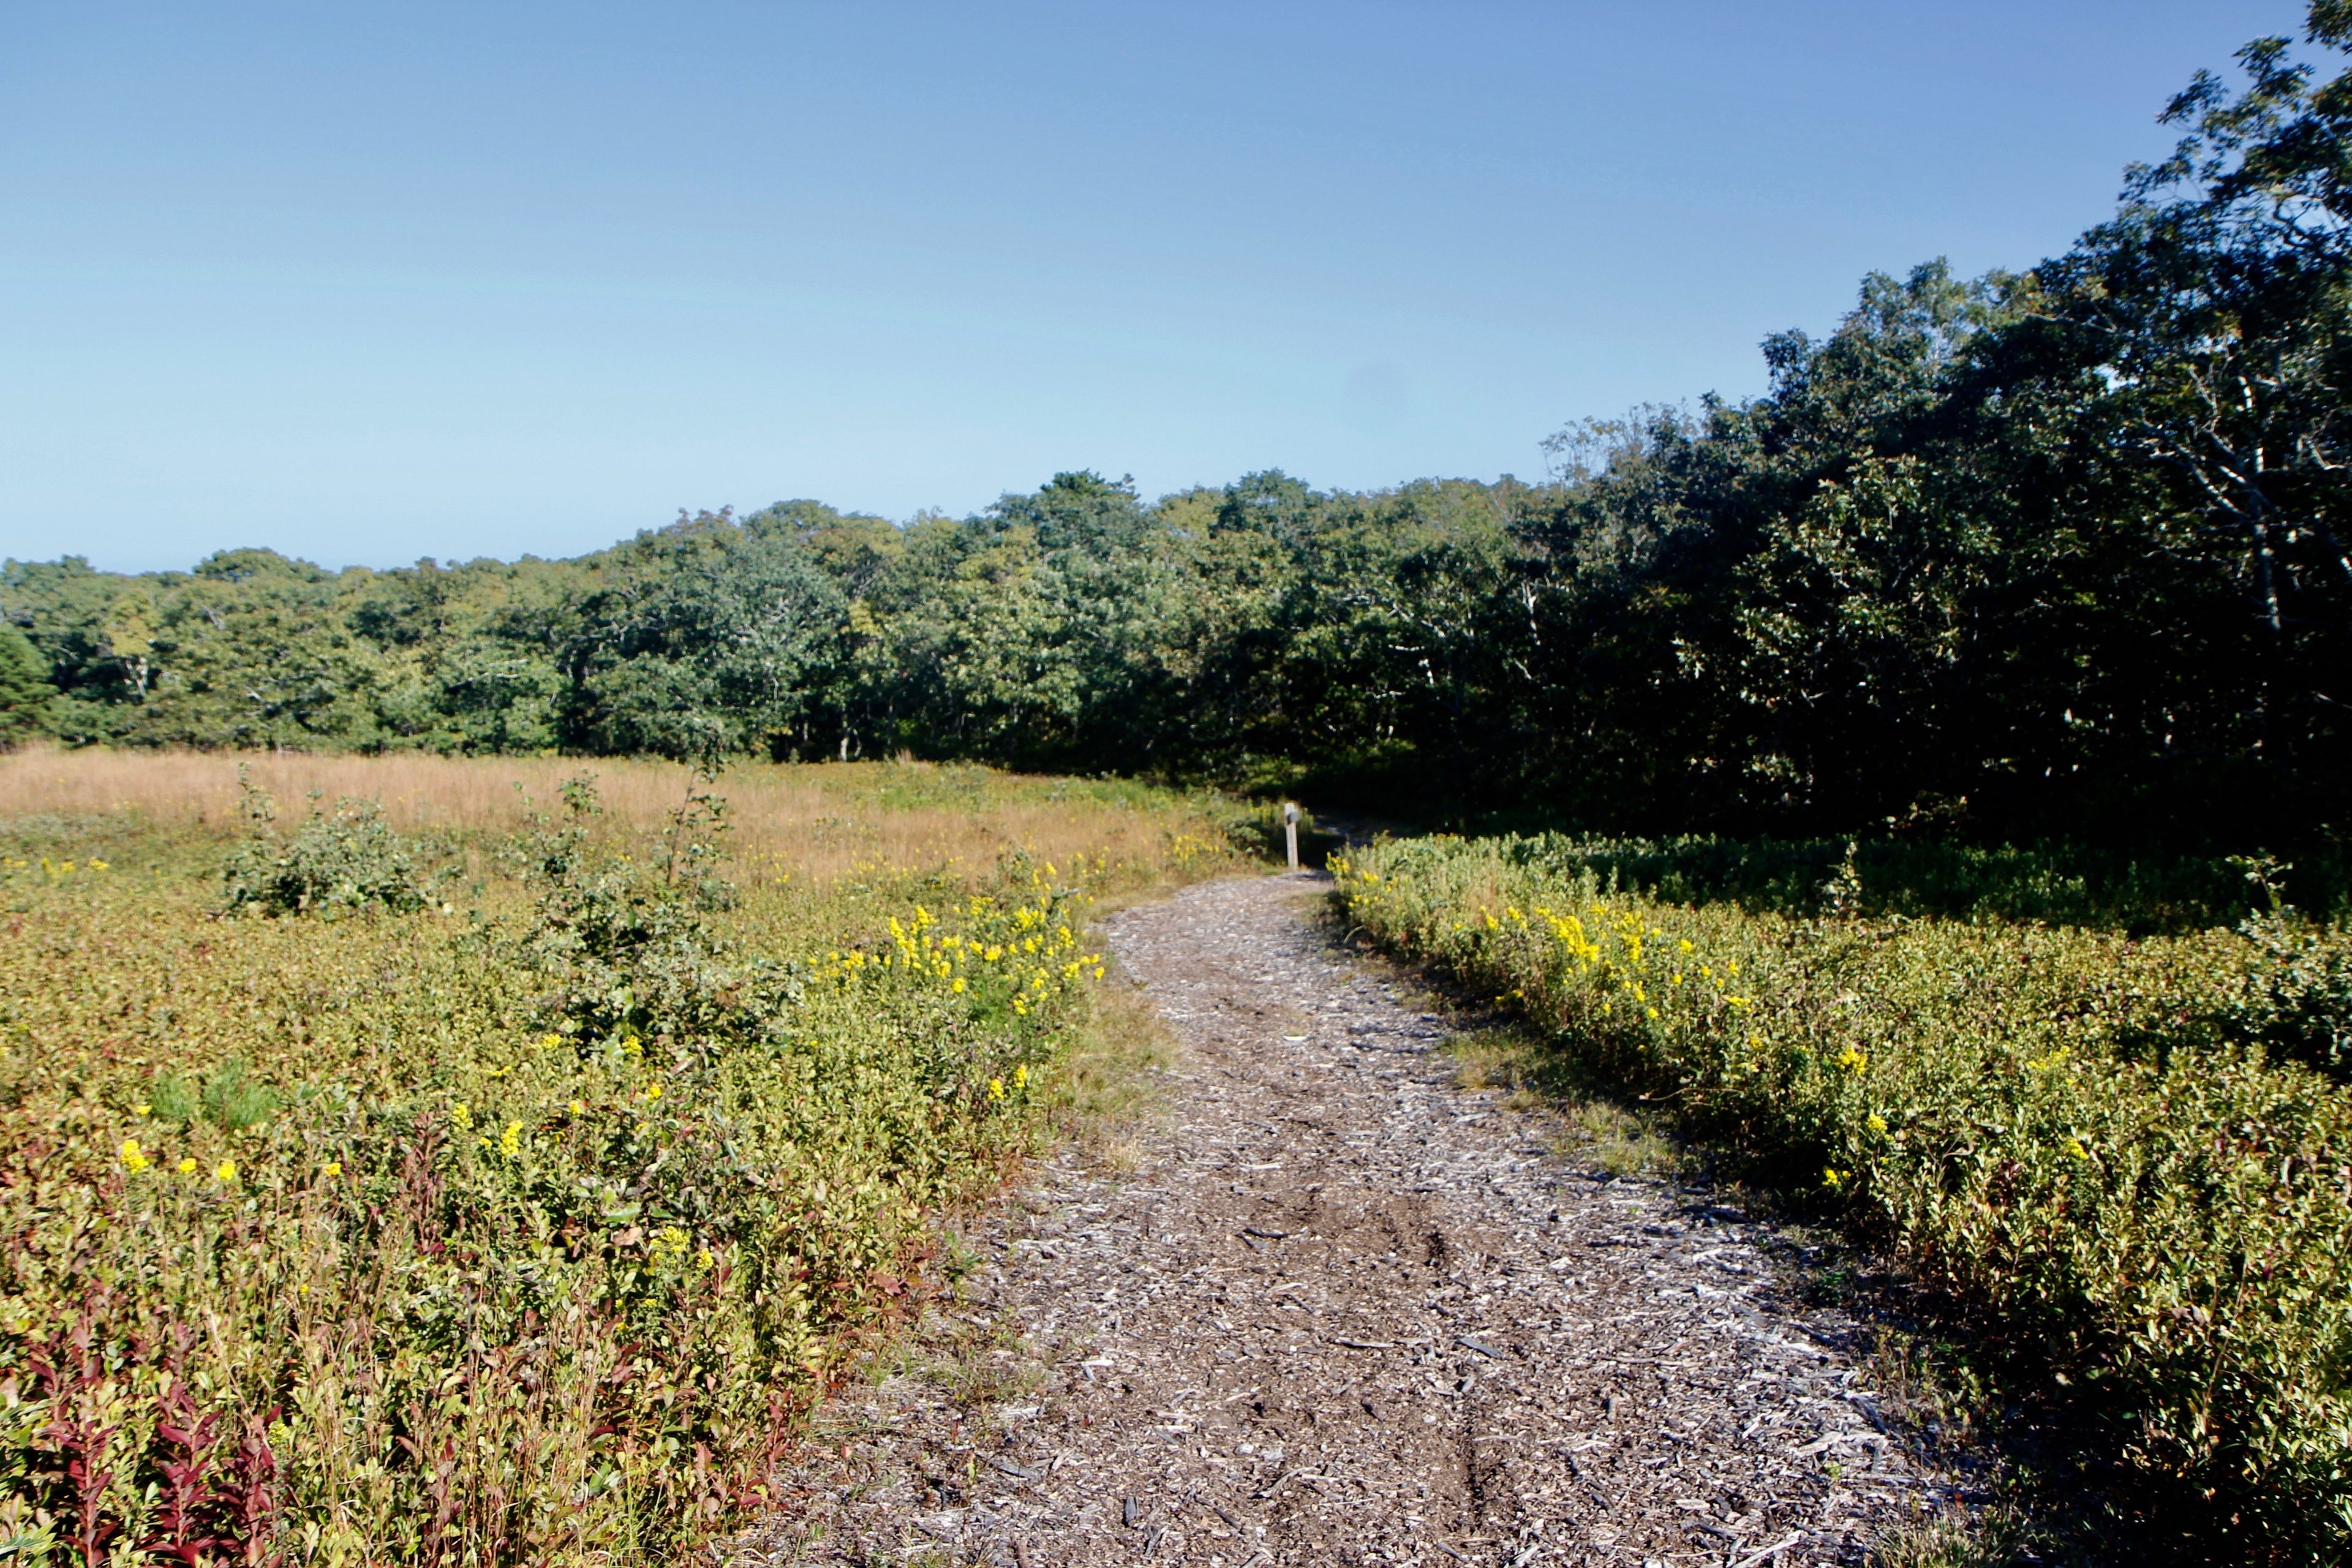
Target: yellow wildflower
(578, 1106)
(996, 1089)
(187, 1167)
(1878, 1123)
(225, 1170)
(331, 1169)
(134, 1158)
(653, 1091)
(957, 985)
(1833, 1177)
(2074, 1147)
(141, 1108)
(510, 1140)
(460, 1116)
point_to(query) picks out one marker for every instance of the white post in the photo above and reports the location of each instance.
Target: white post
(1290, 830)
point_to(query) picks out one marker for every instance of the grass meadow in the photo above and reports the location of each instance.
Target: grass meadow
(442, 1170)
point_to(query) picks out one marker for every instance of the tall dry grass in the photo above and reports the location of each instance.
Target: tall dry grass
(808, 821)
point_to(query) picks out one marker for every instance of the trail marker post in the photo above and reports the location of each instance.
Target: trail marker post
(1290, 830)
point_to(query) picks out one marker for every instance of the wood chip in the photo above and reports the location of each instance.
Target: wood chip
(1755, 1558)
(1152, 1360)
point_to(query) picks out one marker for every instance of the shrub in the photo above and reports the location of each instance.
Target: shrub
(2057, 1125)
(334, 864)
(528, 1237)
(231, 1098)
(2054, 884)
(2301, 1002)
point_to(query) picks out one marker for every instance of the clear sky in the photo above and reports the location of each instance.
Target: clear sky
(367, 282)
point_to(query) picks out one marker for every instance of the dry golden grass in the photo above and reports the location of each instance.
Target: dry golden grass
(811, 821)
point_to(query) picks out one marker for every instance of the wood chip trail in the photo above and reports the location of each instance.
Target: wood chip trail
(1345, 1313)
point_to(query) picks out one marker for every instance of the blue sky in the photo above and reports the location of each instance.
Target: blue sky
(370, 282)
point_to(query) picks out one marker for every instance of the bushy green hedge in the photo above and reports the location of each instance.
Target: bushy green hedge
(2055, 1124)
(2058, 884)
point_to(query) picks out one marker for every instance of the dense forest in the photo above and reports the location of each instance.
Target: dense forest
(2053, 551)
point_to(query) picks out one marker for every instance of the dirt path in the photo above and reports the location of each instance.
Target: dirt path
(1344, 1312)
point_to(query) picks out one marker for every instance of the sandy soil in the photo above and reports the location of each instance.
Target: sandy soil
(1343, 1312)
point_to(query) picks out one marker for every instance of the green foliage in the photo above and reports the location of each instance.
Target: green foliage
(526, 1236)
(2053, 554)
(27, 700)
(230, 1097)
(2301, 1002)
(2064, 1127)
(333, 864)
(2051, 883)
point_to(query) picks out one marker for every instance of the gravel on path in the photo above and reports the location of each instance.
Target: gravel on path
(1345, 1313)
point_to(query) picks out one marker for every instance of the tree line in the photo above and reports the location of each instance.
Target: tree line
(2060, 550)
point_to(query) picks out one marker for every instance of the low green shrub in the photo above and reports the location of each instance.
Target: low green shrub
(334, 864)
(2301, 1001)
(524, 1237)
(2054, 884)
(2060, 1126)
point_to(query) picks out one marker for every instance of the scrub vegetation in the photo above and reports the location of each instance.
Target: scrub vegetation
(506, 1193)
(2128, 1161)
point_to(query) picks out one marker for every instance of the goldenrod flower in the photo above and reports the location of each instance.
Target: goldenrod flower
(653, 1091)
(225, 1170)
(460, 1117)
(996, 1089)
(578, 1106)
(1878, 1123)
(1021, 1076)
(187, 1167)
(956, 985)
(510, 1140)
(1833, 1177)
(331, 1169)
(141, 1108)
(134, 1158)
